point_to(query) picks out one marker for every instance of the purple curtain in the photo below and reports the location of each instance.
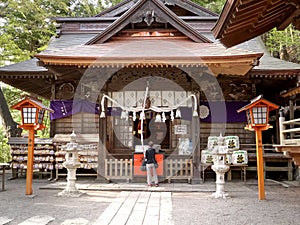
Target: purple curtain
(220, 114)
(65, 108)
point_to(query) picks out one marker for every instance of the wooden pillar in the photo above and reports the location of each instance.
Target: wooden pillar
(102, 149)
(52, 123)
(281, 128)
(260, 164)
(30, 153)
(292, 116)
(196, 146)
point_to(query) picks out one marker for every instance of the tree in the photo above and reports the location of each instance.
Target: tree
(214, 6)
(10, 126)
(4, 148)
(280, 41)
(26, 26)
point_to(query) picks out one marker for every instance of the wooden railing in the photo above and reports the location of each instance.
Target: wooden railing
(119, 169)
(290, 139)
(289, 136)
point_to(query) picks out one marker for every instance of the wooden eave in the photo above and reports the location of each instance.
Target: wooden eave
(136, 12)
(154, 53)
(25, 75)
(30, 84)
(275, 73)
(242, 20)
(291, 92)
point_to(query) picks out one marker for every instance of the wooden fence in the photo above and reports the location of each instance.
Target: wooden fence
(179, 169)
(122, 169)
(119, 169)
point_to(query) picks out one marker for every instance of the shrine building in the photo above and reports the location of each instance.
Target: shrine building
(147, 70)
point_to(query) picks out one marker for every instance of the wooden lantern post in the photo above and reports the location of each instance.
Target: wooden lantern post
(32, 112)
(257, 112)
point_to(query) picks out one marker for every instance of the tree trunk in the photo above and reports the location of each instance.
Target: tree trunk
(10, 126)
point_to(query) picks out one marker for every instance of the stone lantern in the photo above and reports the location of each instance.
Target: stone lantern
(219, 158)
(71, 163)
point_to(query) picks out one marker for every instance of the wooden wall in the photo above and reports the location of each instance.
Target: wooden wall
(228, 129)
(84, 123)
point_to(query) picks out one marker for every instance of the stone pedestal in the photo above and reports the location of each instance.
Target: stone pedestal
(220, 171)
(219, 159)
(71, 189)
(71, 164)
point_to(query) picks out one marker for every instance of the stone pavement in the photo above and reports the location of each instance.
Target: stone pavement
(135, 203)
(138, 208)
(172, 187)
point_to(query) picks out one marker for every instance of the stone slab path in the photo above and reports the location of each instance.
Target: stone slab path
(138, 208)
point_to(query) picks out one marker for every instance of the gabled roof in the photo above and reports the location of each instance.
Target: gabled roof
(184, 4)
(149, 11)
(242, 20)
(67, 55)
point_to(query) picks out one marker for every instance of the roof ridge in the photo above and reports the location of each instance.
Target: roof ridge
(168, 15)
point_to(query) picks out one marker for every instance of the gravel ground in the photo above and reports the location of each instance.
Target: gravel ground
(19, 207)
(281, 207)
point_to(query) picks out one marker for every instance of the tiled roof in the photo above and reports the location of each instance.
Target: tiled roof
(267, 62)
(148, 48)
(26, 66)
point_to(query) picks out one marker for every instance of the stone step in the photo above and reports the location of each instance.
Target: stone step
(38, 220)
(4, 220)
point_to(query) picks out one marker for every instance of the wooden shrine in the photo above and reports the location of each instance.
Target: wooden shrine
(162, 53)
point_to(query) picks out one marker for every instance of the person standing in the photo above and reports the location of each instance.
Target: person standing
(151, 165)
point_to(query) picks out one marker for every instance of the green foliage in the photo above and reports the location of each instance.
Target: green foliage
(214, 6)
(45, 133)
(26, 25)
(4, 147)
(85, 8)
(290, 37)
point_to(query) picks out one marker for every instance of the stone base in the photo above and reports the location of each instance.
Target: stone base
(70, 193)
(196, 180)
(220, 195)
(103, 180)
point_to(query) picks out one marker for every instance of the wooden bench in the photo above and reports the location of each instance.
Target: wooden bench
(273, 161)
(241, 168)
(284, 163)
